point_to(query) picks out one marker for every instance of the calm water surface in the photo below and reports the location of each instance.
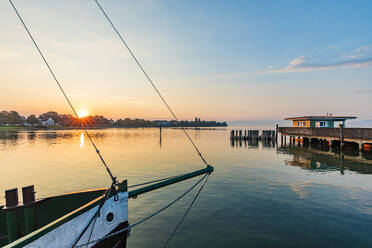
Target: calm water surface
(258, 196)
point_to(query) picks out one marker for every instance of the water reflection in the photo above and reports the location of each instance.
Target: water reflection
(81, 140)
(4, 136)
(316, 158)
(268, 144)
(322, 159)
(160, 137)
(11, 138)
(252, 143)
(251, 188)
(31, 135)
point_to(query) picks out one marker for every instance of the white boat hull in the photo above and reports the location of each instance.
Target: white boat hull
(66, 234)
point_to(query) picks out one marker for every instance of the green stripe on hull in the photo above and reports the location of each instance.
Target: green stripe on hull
(44, 230)
(45, 211)
(55, 211)
(49, 213)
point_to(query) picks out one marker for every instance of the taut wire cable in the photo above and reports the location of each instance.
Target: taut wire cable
(150, 81)
(63, 92)
(187, 211)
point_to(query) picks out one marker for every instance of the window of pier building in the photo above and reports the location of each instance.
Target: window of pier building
(321, 124)
(301, 123)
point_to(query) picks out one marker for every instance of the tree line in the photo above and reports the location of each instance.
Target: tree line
(13, 118)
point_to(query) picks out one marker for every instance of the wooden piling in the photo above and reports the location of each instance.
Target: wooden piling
(342, 136)
(11, 201)
(276, 132)
(28, 194)
(361, 146)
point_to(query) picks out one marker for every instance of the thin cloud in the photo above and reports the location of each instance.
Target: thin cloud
(301, 64)
(358, 52)
(363, 49)
(363, 91)
(352, 56)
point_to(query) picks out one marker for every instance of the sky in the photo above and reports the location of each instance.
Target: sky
(239, 61)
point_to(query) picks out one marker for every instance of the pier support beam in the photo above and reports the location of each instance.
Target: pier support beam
(342, 143)
(276, 133)
(361, 146)
(305, 141)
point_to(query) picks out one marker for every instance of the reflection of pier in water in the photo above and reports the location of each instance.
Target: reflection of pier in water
(322, 159)
(314, 157)
(252, 143)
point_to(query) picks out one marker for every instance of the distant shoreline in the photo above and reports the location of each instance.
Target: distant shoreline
(12, 120)
(48, 128)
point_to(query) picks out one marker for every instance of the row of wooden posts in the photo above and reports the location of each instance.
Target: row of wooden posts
(253, 135)
(308, 139)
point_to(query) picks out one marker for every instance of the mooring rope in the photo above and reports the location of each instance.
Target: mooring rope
(63, 92)
(150, 216)
(150, 81)
(187, 211)
(114, 181)
(94, 218)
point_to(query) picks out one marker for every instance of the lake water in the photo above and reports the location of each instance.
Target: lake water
(259, 195)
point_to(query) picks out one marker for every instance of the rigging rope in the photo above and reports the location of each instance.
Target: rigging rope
(148, 217)
(151, 82)
(187, 211)
(114, 181)
(94, 218)
(63, 92)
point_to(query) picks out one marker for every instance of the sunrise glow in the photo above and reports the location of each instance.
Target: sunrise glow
(82, 113)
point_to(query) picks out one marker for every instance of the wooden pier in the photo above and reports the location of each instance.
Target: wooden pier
(266, 135)
(322, 130)
(357, 138)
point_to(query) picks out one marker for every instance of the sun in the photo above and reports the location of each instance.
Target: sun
(82, 113)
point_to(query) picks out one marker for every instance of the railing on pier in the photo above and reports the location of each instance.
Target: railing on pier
(348, 133)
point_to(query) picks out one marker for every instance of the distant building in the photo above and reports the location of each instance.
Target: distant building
(319, 121)
(49, 122)
(162, 123)
(111, 122)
